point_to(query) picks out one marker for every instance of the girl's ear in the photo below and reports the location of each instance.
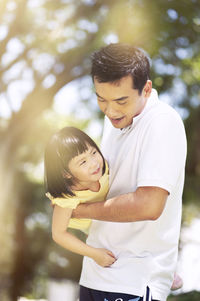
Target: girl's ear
(67, 175)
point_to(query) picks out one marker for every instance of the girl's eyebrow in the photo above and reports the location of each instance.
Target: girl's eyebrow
(116, 99)
(92, 149)
(77, 161)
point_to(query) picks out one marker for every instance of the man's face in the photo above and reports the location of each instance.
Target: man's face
(120, 102)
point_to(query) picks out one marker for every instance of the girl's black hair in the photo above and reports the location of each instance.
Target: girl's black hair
(61, 148)
(115, 61)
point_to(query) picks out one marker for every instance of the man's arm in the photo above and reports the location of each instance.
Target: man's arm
(146, 203)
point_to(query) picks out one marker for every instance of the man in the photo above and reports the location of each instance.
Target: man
(145, 145)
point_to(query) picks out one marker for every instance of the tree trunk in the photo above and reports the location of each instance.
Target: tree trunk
(8, 204)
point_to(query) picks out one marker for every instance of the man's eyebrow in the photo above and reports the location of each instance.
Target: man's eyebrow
(98, 95)
(121, 98)
(117, 99)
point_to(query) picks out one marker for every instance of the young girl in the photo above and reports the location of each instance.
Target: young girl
(75, 172)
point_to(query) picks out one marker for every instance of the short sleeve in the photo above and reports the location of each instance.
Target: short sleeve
(163, 153)
(71, 203)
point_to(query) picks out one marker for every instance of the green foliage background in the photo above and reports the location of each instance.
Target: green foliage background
(45, 45)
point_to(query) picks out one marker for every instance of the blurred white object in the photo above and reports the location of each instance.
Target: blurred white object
(62, 290)
(25, 299)
(189, 259)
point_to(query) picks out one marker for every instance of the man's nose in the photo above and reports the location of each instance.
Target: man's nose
(110, 111)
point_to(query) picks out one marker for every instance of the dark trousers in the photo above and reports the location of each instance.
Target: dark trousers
(88, 294)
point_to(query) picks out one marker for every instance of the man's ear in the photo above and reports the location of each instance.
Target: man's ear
(147, 89)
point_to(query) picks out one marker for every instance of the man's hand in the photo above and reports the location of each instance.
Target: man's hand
(80, 211)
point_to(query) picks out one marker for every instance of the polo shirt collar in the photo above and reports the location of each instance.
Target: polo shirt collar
(153, 98)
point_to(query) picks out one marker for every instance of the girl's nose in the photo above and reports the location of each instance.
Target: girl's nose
(94, 163)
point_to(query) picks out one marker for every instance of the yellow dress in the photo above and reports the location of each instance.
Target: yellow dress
(83, 196)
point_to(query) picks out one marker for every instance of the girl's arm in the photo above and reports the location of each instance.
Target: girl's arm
(60, 221)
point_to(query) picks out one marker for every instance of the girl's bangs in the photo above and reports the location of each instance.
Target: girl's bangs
(74, 147)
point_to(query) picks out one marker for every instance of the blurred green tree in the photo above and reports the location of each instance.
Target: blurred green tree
(45, 45)
(191, 296)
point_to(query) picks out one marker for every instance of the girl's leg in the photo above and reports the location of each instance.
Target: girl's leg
(177, 282)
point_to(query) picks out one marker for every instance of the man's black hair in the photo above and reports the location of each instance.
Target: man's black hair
(115, 61)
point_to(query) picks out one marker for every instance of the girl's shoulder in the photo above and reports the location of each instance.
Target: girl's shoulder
(64, 202)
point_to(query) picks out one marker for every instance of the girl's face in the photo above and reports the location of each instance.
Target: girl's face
(87, 167)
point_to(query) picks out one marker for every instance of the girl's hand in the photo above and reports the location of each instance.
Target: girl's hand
(103, 257)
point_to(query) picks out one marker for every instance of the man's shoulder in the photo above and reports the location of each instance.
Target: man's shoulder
(161, 108)
(159, 105)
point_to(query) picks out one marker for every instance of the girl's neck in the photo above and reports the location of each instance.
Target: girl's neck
(93, 186)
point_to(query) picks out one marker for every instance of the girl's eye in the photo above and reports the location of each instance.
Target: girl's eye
(94, 152)
(83, 162)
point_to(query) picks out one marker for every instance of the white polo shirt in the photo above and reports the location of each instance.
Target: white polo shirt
(150, 152)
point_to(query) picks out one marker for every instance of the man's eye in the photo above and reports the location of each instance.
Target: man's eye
(101, 99)
(122, 102)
